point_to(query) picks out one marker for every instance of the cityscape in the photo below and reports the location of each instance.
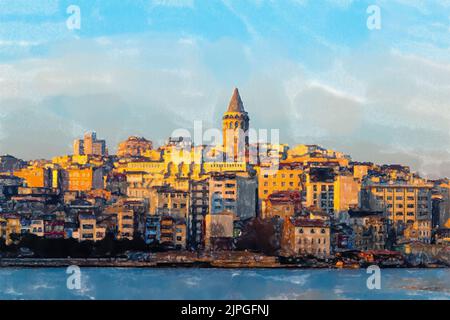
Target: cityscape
(237, 204)
(216, 154)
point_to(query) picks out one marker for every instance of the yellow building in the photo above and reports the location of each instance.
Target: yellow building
(403, 202)
(287, 178)
(173, 232)
(37, 227)
(152, 155)
(134, 147)
(70, 160)
(346, 193)
(9, 225)
(360, 170)
(209, 167)
(88, 230)
(143, 166)
(125, 223)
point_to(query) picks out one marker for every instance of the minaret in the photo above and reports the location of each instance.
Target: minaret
(235, 125)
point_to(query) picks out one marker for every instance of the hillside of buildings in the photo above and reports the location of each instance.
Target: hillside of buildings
(299, 202)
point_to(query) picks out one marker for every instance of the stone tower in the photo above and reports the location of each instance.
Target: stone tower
(235, 126)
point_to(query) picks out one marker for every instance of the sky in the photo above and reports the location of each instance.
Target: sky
(310, 68)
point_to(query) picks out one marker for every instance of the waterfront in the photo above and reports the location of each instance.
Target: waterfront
(198, 284)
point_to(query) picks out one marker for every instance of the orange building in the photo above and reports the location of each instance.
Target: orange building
(35, 177)
(83, 179)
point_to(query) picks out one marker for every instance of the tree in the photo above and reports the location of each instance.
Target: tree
(260, 235)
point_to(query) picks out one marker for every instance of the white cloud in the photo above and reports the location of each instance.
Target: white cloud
(376, 104)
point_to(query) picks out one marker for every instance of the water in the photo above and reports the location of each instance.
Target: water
(121, 283)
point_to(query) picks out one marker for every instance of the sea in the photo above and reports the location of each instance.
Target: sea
(221, 284)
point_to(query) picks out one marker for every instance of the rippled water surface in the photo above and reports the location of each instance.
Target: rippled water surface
(120, 283)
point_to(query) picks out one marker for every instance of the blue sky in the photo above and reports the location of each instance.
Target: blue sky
(309, 68)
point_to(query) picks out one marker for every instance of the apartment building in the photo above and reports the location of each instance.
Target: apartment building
(302, 236)
(233, 192)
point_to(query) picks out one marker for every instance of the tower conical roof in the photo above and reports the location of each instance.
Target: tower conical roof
(236, 104)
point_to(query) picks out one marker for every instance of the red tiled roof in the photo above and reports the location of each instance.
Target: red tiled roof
(302, 222)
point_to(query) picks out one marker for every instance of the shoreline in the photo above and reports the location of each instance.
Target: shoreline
(124, 263)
